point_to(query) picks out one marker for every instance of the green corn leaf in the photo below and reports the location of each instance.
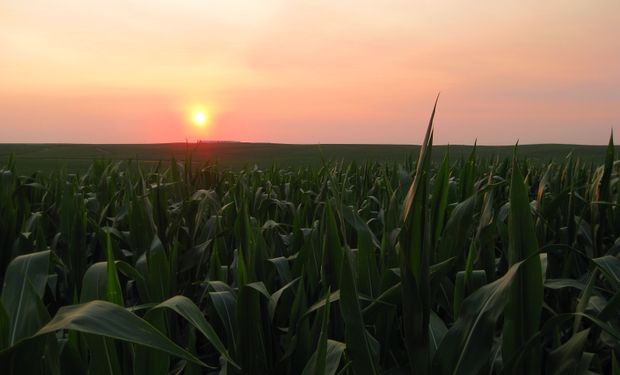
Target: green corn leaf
(440, 200)
(464, 287)
(467, 345)
(437, 331)
(275, 298)
(485, 236)
(468, 174)
(158, 275)
(23, 288)
(366, 264)
(332, 249)
(333, 355)
(95, 283)
(316, 365)
(103, 351)
(565, 359)
(103, 355)
(188, 310)
(225, 304)
(252, 323)
(110, 320)
(415, 252)
(610, 266)
(454, 240)
(362, 348)
(114, 293)
(583, 300)
(523, 311)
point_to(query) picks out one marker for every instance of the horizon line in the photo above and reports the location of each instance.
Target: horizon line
(299, 144)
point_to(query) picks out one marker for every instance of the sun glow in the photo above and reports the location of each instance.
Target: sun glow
(200, 119)
(200, 116)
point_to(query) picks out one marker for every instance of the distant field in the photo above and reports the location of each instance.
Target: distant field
(77, 157)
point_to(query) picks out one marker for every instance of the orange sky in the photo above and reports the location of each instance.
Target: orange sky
(309, 71)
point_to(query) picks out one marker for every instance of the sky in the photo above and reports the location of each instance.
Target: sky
(289, 71)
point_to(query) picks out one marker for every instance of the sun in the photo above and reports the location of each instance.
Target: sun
(200, 118)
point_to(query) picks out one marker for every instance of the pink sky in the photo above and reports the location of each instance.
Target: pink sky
(309, 71)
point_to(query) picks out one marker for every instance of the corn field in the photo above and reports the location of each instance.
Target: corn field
(467, 266)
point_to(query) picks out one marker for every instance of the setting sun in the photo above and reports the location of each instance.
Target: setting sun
(199, 116)
(200, 119)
